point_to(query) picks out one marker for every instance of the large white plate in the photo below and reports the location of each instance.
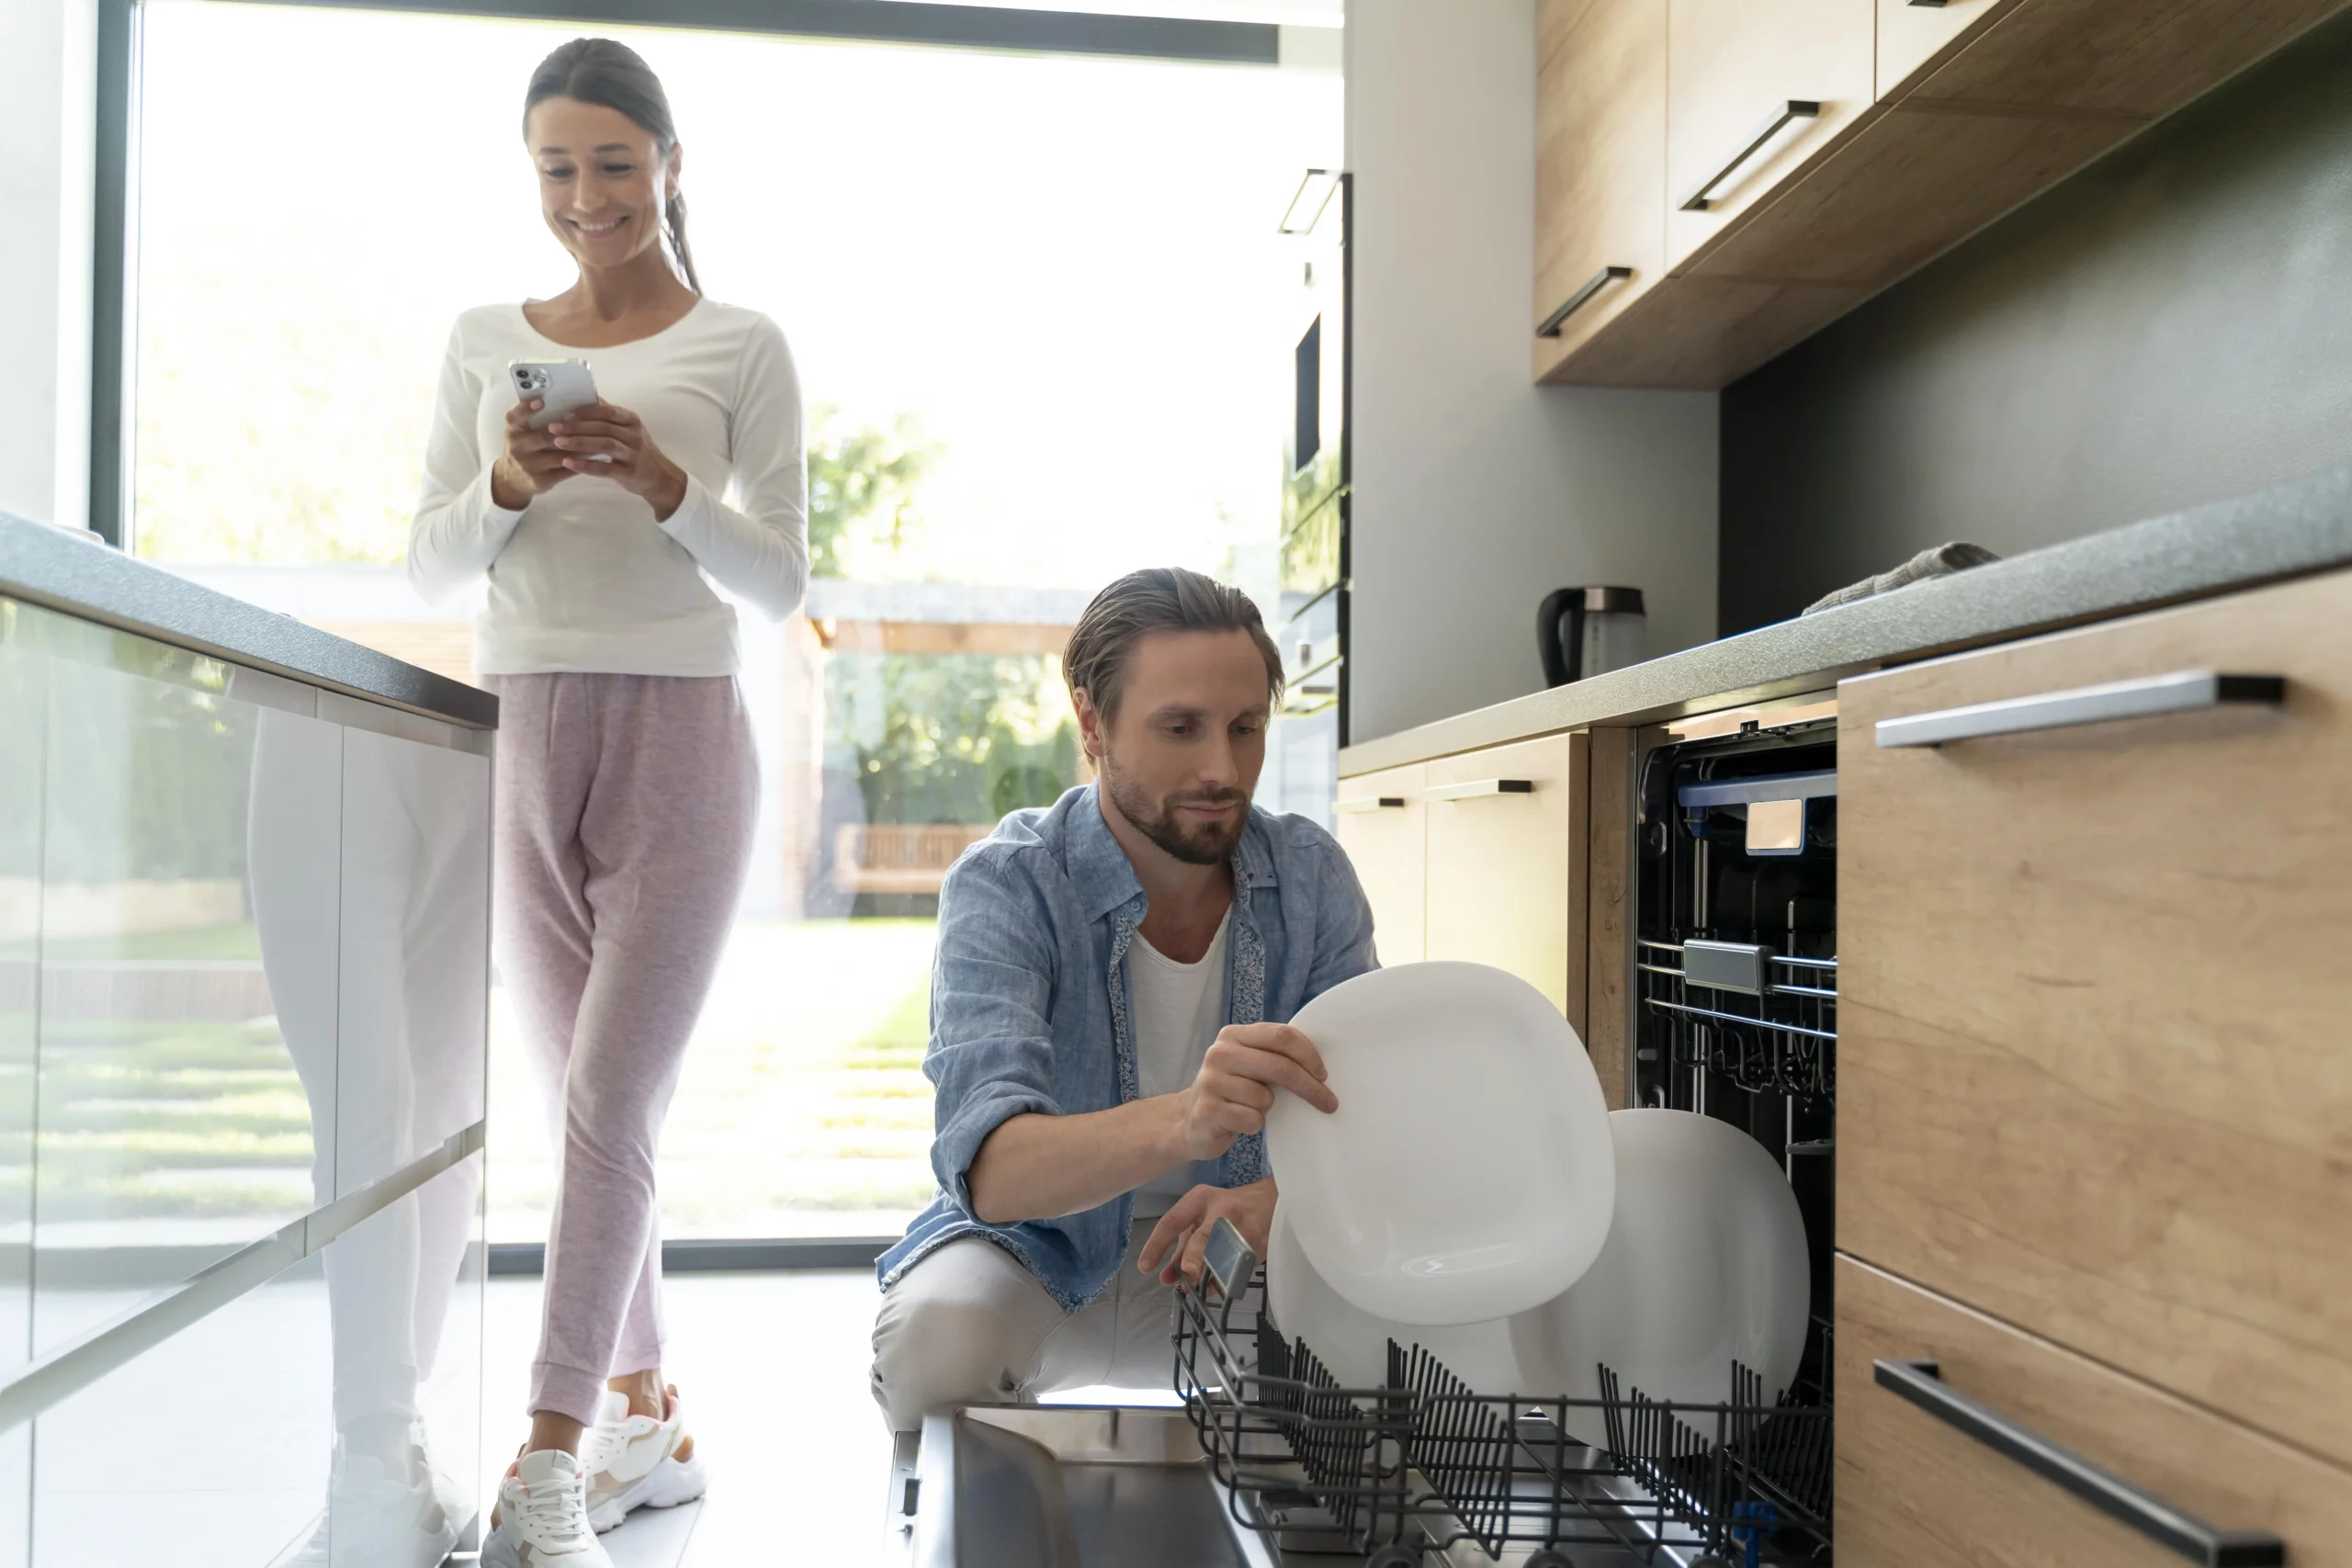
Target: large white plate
(1353, 1345)
(1705, 1263)
(1468, 1173)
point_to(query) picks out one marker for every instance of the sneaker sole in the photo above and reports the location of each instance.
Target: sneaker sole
(666, 1485)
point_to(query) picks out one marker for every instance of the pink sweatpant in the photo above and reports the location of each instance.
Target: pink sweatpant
(625, 804)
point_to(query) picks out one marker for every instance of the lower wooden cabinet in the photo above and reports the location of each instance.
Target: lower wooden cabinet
(1381, 821)
(1916, 1492)
(1505, 883)
(2093, 1076)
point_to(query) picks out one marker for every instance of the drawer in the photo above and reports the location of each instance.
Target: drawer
(1506, 861)
(1380, 819)
(1915, 1492)
(2094, 1076)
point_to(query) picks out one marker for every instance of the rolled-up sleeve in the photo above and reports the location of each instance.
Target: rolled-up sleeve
(992, 1055)
(1343, 940)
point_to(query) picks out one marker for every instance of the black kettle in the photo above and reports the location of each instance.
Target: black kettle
(1584, 631)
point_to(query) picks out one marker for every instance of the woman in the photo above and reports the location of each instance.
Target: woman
(626, 776)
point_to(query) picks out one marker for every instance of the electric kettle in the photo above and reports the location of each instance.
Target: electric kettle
(1584, 631)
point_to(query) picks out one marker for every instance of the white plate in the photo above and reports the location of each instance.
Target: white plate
(1468, 1173)
(1705, 1263)
(1353, 1344)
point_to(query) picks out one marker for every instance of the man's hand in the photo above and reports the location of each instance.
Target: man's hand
(1180, 1242)
(1235, 1088)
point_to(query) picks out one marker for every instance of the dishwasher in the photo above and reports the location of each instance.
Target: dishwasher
(1270, 1463)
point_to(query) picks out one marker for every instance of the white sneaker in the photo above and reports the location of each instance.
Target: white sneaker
(376, 1519)
(632, 1462)
(543, 1517)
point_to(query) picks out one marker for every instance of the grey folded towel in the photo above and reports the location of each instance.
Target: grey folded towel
(1941, 561)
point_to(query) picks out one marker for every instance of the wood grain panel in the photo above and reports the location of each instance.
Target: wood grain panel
(1919, 183)
(1730, 64)
(2094, 1076)
(2145, 59)
(1703, 331)
(1600, 160)
(1609, 878)
(1913, 1493)
(1388, 846)
(1505, 872)
(1914, 39)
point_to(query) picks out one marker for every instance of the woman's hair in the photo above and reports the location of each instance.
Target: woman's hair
(1157, 598)
(614, 76)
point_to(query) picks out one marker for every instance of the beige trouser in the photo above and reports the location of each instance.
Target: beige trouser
(969, 1324)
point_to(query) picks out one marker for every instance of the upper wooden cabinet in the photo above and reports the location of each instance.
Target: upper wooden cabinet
(1601, 192)
(1932, 121)
(1754, 93)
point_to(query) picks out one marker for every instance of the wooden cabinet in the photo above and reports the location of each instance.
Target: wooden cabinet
(1601, 166)
(1506, 837)
(1754, 93)
(1912, 37)
(1915, 1492)
(1934, 120)
(2092, 1073)
(1381, 823)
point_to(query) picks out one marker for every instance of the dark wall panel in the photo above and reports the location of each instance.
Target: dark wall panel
(2172, 325)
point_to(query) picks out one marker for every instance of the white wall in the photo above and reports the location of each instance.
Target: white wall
(1475, 491)
(48, 63)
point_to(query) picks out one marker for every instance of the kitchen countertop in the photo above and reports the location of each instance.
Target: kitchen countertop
(2301, 527)
(75, 572)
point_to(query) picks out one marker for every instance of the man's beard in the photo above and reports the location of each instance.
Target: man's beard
(1207, 845)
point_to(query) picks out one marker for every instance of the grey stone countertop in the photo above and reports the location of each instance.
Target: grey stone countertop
(75, 572)
(2301, 527)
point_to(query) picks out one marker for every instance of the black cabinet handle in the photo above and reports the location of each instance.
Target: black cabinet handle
(1922, 1383)
(1592, 286)
(1795, 108)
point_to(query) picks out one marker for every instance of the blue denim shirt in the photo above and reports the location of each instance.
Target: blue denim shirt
(1029, 1006)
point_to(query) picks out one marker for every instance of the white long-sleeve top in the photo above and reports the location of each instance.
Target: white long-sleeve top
(583, 578)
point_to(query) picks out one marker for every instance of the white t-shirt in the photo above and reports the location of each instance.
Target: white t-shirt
(583, 578)
(1179, 1007)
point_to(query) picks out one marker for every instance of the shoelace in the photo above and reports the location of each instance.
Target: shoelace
(553, 1513)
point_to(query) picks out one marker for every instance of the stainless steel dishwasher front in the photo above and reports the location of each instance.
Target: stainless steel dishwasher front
(1073, 1486)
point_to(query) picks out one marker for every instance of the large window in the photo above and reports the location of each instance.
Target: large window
(1045, 326)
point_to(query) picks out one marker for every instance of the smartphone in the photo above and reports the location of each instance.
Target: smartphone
(562, 383)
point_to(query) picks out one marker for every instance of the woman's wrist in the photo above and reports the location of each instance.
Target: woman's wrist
(505, 494)
(670, 494)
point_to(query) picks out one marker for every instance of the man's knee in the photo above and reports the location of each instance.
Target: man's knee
(960, 1335)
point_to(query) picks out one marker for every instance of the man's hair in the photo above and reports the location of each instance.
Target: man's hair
(1157, 598)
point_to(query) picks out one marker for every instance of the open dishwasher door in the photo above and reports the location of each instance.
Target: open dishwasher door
(1072, 1486)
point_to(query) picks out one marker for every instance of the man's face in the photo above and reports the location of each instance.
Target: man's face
(1182, 754)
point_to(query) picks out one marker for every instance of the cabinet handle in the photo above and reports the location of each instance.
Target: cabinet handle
(1592, 286)
(1478, 789)
(1370, 803)
(1795, 108)
(1921, 1382)
(2184, 691)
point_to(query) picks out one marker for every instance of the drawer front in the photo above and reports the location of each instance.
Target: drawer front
(1506, 884)
(1599, 166)
(1915, 1492)
(1381, 823)
(2094, 1076)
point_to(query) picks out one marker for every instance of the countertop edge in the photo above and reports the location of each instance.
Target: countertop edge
(2304, 525)
(77, 573)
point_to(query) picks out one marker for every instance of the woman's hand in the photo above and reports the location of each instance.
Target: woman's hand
(530, 465)
(1179, 1244)
(613, 444)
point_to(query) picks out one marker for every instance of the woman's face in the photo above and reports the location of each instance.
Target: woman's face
(603, 180)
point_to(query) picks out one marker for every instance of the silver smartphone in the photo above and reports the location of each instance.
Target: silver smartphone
(563, 384)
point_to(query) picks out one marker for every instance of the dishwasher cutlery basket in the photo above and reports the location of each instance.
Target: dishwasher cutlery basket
(1388, 1473)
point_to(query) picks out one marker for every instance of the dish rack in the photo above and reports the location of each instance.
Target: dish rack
(1764, 1021)
(1425, 1463)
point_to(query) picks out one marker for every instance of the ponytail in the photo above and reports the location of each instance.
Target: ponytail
(674, 224)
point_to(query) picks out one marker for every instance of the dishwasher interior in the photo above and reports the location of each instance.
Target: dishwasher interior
(1271, 1462)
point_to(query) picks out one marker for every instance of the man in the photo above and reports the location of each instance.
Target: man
(1108, 1013)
